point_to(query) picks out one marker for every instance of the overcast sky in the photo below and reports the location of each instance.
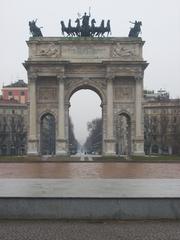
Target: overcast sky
(160, 30)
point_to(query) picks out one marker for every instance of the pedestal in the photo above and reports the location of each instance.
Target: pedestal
(61, 147)
(32, 147)
(109, 147)
(138, 147)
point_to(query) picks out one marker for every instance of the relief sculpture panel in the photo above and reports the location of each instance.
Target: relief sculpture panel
(123, 91)
(50, 50)
(47, 94)
(125, 51)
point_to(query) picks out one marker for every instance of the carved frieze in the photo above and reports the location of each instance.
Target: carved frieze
(85, 51)
(125, 71)
(49, 50)
(125, 51)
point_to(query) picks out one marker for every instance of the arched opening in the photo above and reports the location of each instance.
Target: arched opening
(123, 134)
(85, 114)
(47, 132)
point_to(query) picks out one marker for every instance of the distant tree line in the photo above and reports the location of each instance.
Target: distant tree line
(93, 144)
(13, 135)
(73, 143)
(162, 134)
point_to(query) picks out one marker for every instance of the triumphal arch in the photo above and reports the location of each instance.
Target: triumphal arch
(57, 67)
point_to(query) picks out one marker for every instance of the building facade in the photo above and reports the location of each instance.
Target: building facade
(17, 91)
(161, 124)
(13, 127)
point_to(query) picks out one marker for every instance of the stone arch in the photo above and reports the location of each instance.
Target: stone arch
(85, 85)
(97, 88)
(47, 134)
(123, 133)
(117, 78)
(47, 111)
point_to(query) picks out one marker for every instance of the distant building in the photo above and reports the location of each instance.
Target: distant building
(13, 127)
(161, 123)
(151, 95)
(17, 91)
(13, 119)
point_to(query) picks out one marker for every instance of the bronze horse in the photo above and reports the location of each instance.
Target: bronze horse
(86, 31)
(65, 29)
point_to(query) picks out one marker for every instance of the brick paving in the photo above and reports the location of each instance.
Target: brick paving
(74, 230)
(89, 170)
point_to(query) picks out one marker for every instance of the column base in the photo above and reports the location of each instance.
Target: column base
(32, 147)
(109, 147)
(138, 154)
(138, 147)
(61, 147)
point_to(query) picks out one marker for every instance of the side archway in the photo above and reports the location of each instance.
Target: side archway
(123, 134)
(47, 134)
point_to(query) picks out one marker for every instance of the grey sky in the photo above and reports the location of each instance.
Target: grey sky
(160, 30)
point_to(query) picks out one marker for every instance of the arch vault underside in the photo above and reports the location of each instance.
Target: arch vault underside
(112, 67)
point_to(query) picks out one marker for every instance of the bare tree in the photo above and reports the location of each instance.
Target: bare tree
(176, 135)
(13, 134)
(150, 132)
(73, 143)
(3, 134)
(164, 131)
(93, 142)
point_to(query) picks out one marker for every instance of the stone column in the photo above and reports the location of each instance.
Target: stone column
(103, 107)
(61, 143)
(32, 134)
(139, 130)
(109, 141)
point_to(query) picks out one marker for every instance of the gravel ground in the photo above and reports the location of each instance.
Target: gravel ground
(76, 230)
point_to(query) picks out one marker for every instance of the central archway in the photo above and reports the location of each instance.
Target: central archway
(47, 134)
(88, 108)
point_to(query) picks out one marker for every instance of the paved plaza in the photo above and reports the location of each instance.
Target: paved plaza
(93, 170)
(74, 230)
(89, 188)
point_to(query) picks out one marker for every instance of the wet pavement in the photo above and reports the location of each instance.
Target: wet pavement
(75, 230)
(89, 169)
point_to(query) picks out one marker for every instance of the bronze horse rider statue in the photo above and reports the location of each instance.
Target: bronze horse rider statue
(35, 31)
(136, 30)
(85, 29)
